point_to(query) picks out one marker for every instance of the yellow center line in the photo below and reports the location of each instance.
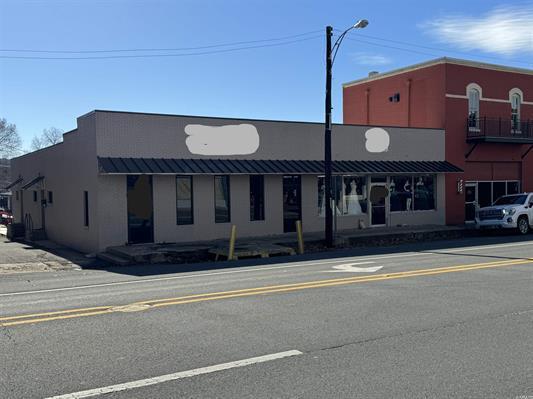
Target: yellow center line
(67, 316)
(58, 312)
(156, 303)
(344, 279)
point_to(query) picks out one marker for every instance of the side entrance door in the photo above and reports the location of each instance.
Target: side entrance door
(470, 202)
(140, 209)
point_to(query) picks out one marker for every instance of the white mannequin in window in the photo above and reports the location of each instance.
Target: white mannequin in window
(334, 207)
(420, 182)
(354, 208)
(407, 189)
(322, 210)
(392, 186)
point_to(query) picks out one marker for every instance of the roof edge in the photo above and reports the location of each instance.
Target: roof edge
(437, 61)
(39, 150)
(254, 119)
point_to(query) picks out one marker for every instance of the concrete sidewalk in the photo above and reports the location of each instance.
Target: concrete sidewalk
(18, 257)
(285, 243)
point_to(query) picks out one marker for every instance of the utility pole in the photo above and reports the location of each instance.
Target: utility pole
(327, 143)
(330, 59)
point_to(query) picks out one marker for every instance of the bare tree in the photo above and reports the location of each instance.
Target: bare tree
(10, 141)
(37, 143)
(49, 137)
(52, 136)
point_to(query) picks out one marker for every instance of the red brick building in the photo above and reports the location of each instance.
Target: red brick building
(486, 111)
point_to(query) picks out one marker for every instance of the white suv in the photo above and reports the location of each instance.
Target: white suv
(508, 212)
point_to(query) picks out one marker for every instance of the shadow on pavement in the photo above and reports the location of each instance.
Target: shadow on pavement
(444, 247)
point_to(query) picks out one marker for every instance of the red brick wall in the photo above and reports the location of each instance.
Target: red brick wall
(421, 94)
(495, 84)
(423, 103)
(488, 161)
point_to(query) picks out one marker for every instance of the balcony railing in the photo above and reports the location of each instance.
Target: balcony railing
(503, 130)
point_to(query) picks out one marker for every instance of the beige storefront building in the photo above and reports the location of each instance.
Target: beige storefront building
(133, 177)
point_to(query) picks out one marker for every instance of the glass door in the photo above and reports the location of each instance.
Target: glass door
(292, 202)
(470, 202)
(378, 204)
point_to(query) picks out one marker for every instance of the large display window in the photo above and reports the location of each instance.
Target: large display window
(487, 192)
(349, 195)
(406, 194)
(401, 193)
(424, 193)
(412, 193)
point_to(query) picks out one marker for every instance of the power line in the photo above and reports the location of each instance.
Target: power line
(424, 47)
(160, 55)
(160, 49)
(392, 47)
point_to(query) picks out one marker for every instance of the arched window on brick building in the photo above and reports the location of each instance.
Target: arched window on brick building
(516, 101)
(473, 108)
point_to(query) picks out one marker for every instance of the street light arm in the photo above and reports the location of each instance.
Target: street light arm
(363, 23)
(338, 43)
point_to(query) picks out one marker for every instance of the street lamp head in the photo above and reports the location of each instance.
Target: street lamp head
(360, 24)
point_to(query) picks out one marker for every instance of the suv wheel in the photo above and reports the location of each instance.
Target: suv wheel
(523, 225)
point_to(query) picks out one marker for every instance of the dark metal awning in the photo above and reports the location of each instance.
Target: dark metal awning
(246, 167)
(32, 182)
(13, 184)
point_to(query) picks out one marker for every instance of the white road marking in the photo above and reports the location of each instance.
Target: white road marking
(259, 269)
(350, 267)
(466, 249)
(255, 269)
(176, 376)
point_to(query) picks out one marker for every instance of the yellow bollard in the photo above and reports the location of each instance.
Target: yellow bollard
(232, 238)
(300, 237)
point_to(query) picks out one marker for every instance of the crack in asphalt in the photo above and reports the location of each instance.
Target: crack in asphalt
(4, 381)
(425, 330)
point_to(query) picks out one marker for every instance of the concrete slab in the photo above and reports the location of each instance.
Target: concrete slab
(16, 257)
(252, 250)
(161, 253)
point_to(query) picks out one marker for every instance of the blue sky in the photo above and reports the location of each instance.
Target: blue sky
(277, 82)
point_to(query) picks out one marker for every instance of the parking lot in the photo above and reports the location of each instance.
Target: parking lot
(17, 257)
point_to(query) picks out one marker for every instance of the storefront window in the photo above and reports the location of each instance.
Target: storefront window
(498, 190)
(513, 187)
(484, 195)
(349, 195)
(222, 199)
(401, 193)
(355, 201)
(338, 195)
(424, 193)
(184, 204)
(408, 193)
(257, 197)
(321, 197)
(336, 192)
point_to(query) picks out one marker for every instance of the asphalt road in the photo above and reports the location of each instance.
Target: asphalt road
(449, 319)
